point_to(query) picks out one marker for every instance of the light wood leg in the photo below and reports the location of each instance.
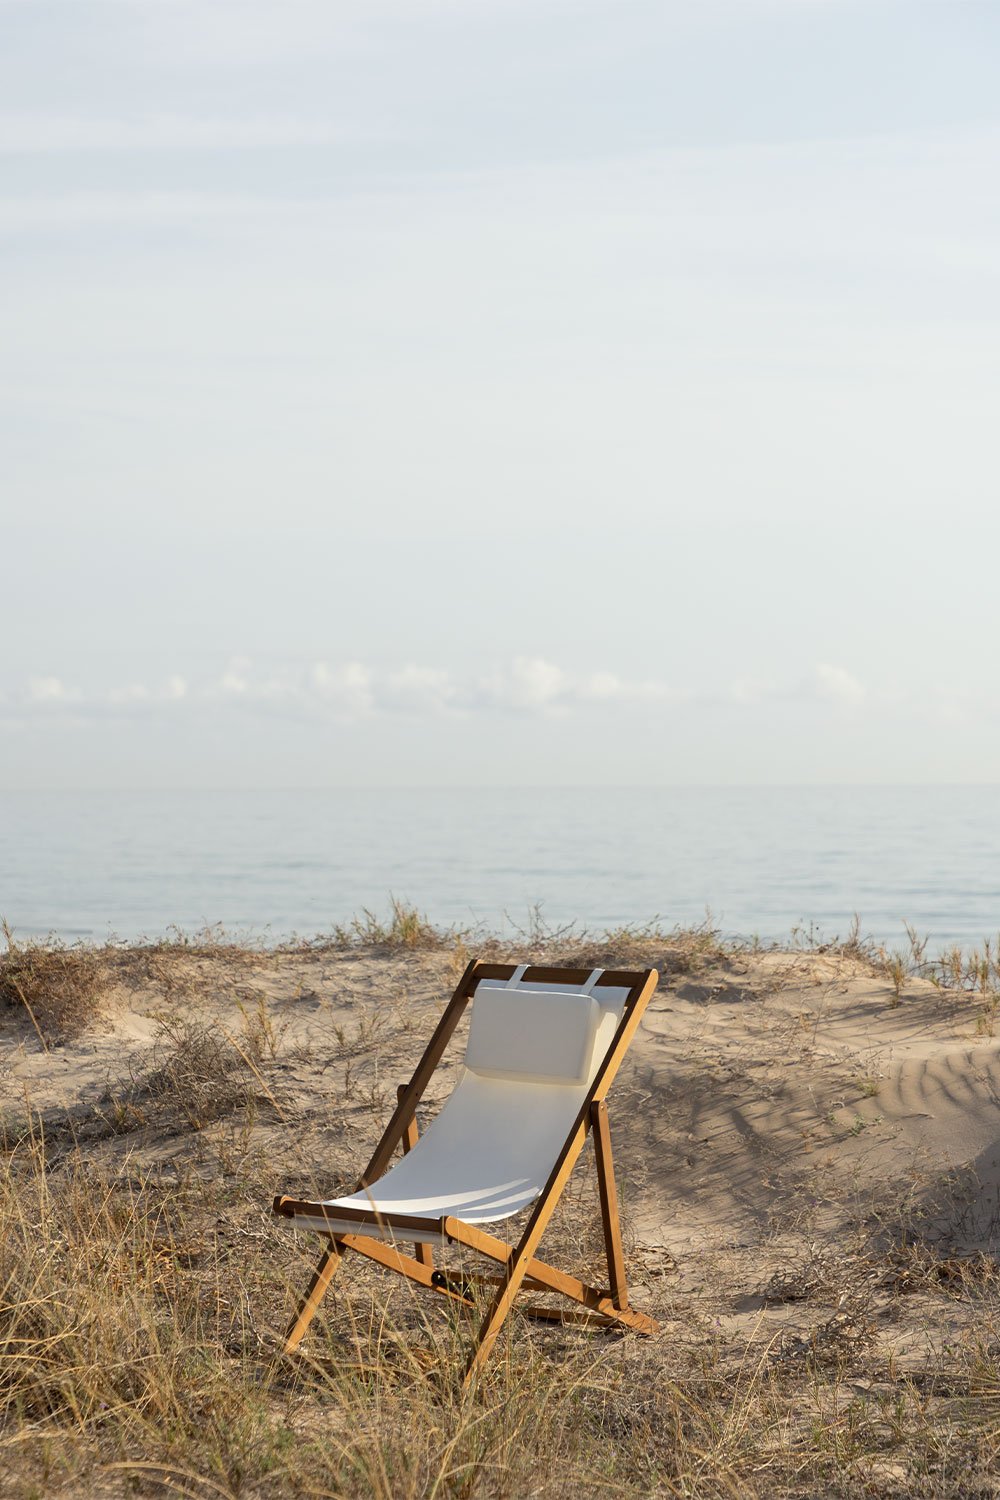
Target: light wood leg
(423, 1252)
(609, 1204)
(520, 1260)
(327, 1269)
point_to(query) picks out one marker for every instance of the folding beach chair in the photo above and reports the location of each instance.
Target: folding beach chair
(543, 1049)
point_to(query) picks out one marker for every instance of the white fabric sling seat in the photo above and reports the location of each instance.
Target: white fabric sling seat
(544, 1045)
(530, 1059)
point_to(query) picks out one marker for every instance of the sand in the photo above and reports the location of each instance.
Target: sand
(764, 1086)
(775, 1107)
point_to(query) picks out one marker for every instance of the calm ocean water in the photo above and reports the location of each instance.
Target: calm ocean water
(762, 860)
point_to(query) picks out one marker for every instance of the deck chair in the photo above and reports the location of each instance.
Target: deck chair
(543, 1049)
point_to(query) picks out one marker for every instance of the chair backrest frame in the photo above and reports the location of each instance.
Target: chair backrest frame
(639, 985)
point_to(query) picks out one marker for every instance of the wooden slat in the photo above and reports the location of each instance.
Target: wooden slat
(541, 1276)
(421, 1250)
(412, 1094)
(608, 1192)
(635, 1006)
(327, 1269)
(447, 1281)
(479, 1278)
(387, 1255)
(519, 1262)
(620, 979)
(567, 1315)
(407, 1225)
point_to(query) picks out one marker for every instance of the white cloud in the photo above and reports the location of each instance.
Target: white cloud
(422, 689)
(835, 684)
(823, 683)
(749, 690)
(234, 683)
(603, 686)
(348, 688)
(351, 690)
(529, 682)
(173, 689)
(49, 690)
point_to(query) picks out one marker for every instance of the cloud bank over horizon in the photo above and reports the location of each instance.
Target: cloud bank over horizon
(353, 690)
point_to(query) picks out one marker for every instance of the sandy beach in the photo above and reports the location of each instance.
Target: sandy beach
(806, 1143)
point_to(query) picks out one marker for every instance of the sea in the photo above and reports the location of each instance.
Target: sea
(782, 864)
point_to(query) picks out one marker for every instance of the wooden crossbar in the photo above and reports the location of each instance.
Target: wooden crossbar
(521, 1269)
(539, 1273)
(406, 1225)
(567, 1315)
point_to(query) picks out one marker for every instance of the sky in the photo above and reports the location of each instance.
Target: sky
(414, 392)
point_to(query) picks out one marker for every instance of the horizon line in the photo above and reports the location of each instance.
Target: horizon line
(511, 786)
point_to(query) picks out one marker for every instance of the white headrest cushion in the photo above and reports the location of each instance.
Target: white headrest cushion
(538, 1036)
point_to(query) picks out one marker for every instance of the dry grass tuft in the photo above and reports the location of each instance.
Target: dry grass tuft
(199, 1075)
(406, 929)
(57, 988)
(918, 1267)
(963, 973)
(675, 951)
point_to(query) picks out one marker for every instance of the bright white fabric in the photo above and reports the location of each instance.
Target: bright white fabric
(531, 1037)
(490, 1150)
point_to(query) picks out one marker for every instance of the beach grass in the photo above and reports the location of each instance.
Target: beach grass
(139, 1354)
(145, 1288)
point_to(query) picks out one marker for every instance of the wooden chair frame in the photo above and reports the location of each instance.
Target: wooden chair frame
(520, 1269)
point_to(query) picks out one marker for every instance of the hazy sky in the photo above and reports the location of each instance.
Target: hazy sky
(509, 390)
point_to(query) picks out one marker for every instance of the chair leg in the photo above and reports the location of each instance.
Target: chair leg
(517, 1265)
(609, 1204)
(423, 1252)
(329, 1265)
